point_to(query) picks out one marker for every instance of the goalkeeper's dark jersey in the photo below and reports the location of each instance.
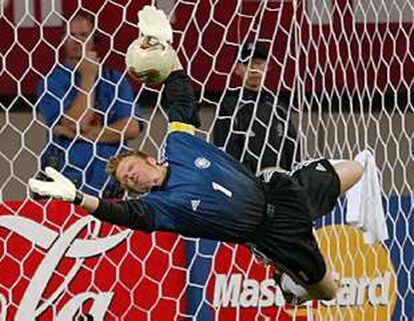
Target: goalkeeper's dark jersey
(207, 192)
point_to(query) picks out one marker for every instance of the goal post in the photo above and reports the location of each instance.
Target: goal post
(343, 73)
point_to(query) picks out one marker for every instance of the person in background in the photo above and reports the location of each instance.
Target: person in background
(253, 124)
(89, 109)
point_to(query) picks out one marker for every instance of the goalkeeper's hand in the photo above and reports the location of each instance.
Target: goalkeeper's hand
(150, 58)
(60, 188)
(153, 23)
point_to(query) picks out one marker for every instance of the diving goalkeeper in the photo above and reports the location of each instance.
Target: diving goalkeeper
(200, 191)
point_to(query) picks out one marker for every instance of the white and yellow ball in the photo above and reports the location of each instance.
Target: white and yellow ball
(150, 62)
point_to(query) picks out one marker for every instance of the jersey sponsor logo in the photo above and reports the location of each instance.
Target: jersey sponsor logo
(202, 163)
(195, 204)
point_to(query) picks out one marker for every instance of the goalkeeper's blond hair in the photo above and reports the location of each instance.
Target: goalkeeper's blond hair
(114, 161)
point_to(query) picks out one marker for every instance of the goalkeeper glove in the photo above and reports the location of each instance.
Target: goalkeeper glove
(154, 23)
(151, 58)
(59, 188)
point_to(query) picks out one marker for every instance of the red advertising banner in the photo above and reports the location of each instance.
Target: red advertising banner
(340, 45)
(55, 262)
(58, 263)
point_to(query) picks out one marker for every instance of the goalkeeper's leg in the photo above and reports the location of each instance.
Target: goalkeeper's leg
(324, 180)
(296, 291)
(349, 173)
(326, 289)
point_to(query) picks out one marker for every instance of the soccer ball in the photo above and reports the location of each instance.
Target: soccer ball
(150, 61)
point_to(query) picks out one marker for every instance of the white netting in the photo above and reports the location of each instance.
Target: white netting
(343, 68)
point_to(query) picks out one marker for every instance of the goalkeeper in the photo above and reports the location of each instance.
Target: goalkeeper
(200, 191)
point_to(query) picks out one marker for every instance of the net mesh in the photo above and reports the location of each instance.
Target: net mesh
(344, 69)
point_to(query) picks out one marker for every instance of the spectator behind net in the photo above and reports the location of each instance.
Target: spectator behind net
(254, 110)
(86, 107)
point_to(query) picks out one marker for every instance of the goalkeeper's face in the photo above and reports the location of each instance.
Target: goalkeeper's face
(140, 174)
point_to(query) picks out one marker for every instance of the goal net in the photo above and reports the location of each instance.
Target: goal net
(339, 72)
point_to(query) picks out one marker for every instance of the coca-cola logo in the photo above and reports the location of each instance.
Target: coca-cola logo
(56, 263)
(57, 247)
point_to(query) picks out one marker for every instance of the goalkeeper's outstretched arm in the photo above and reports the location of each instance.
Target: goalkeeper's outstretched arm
(151, 59)
(133, 214)
(178, 97)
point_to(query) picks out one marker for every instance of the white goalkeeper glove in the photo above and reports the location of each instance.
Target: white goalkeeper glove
(60, 188)
(154, 23)
(151, 58)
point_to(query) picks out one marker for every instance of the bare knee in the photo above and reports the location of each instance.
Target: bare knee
(326, 289)
(329, 293)
(349, 173)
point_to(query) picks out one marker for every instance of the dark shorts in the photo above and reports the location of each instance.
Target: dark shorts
(294, 201)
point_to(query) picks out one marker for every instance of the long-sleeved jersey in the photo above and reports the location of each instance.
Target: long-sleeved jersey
(252, 128)
(207, 192)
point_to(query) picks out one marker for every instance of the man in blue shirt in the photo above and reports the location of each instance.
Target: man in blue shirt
(89, 111)
(200, 191)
